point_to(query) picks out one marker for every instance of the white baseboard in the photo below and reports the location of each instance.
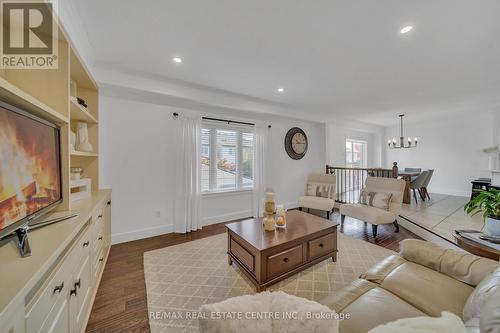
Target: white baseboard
(425, 234)
(226, 217)
(141, 233)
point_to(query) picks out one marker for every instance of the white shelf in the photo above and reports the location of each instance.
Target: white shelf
(83, 153)
(78, 112)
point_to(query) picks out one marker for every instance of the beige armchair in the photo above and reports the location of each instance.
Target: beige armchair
(374, 215)
(320, 193)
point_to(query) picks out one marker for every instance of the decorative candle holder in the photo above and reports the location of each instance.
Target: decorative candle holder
(280, 217)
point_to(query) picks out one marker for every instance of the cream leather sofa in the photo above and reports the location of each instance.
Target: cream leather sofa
(373, 215)
(318, 202)
(423, 280)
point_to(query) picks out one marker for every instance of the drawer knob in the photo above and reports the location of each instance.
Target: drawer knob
(73, 292)
(58, 288)
(100, 216)
(86, 244)
(321, 245)
(100, 238)
(109, 203)
(285, 259)
(77, 284)
(101, 259)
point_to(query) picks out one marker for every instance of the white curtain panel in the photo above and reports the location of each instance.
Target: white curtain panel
(187, 174)
(261, 158)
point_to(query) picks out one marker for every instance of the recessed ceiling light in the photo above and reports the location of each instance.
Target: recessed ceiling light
(177, 60)
(281, 89)
(406, 29)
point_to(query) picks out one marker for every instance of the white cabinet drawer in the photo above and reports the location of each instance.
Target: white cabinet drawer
(57, 286)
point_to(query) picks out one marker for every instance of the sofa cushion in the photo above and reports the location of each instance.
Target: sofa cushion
(316, 203)
(380, 270)
(447, 323)
(380, 200)
(483, 292)
(459, 265)
(367, 214)
(489, 322)
(368, 306)
(428, 290)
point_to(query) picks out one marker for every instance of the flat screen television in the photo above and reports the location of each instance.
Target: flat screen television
(30, 168)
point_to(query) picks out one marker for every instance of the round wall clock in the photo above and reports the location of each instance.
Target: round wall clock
(296, 143)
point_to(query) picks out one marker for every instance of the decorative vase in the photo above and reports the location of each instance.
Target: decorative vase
(268, 223)
(82, 135)
(492, 226)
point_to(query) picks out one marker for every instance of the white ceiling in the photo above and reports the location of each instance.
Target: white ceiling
(334, 58)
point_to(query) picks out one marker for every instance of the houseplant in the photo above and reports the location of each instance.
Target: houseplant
(487, 202)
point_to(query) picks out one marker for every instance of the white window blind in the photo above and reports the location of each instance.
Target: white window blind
(227, 157)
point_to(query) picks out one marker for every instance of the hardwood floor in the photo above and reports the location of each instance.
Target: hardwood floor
(121, 305)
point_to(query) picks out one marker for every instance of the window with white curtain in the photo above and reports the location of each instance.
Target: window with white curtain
(227, 157)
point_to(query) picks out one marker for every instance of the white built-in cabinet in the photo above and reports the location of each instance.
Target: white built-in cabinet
(62, 300)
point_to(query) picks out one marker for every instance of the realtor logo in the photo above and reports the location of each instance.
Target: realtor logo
(29, 35)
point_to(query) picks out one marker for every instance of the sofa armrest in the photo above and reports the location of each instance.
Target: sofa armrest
(340, 300)
(379, 271)
(461, 266)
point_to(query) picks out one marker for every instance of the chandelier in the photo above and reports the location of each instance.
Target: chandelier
(410, 144)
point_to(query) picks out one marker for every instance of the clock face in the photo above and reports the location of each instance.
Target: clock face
(296, 143)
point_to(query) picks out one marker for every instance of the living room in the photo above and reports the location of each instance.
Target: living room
(269, 166)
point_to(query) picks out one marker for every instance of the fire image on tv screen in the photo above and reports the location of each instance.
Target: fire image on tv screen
(30, 178)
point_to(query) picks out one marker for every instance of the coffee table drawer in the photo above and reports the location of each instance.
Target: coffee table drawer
(243, 255)
(321, 246)
(284, 261)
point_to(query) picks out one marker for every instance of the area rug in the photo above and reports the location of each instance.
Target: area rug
(180, 278)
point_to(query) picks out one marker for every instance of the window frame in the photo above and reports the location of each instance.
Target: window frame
(364, 159)
(213, 126)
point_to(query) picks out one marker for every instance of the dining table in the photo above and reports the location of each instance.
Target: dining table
(407, 176)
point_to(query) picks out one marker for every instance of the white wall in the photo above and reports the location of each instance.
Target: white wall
(450, 145)
(338, 131)
(135, 161)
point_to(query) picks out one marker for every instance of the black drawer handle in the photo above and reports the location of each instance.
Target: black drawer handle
(109, 203)
(321, 245)
(100, 216)
(285, 259)
(101, 259)
(86, 244)
(100, 238)
(73, 292)
(77, 284)
(58, 288)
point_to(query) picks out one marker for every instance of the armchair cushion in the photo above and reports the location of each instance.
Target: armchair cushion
(323, 190)
(459, 265)
(380, 200)
(316, 203)
(368, 214)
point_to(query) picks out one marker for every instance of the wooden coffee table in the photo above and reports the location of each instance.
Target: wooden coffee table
(267, 257)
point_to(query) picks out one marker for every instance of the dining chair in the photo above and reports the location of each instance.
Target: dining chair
(423, 190)
(413, 170)
(418, 183)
